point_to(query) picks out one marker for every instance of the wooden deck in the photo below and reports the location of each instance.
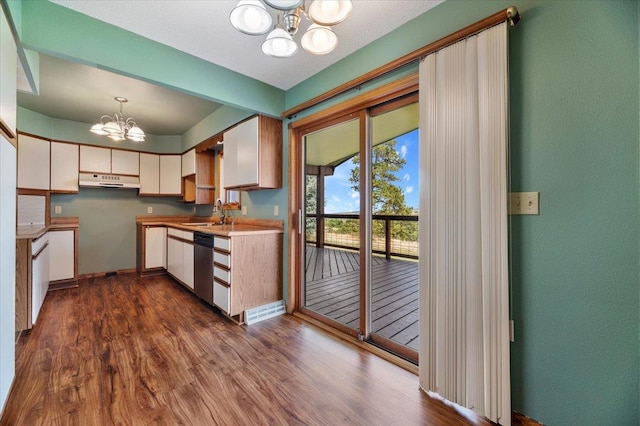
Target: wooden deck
(332, 289)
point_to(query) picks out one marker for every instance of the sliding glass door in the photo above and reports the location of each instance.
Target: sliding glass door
(360, 218)
(332, 223)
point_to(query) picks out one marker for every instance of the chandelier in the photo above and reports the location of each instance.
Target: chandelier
(116, 128)
(252, 17)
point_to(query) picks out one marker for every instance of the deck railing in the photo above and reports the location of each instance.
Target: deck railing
(392, 235)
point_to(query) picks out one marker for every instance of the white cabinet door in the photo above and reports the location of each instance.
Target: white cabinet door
(64, 167)
(33, 163)
(149, 174)
(170, 176)
(125, 162)
(174, 257)
(189, 163)
(187, 264)
(39, 280)
(155, 249)
(8, 79)
(61, 255)
(222, 297)
(95, 159)
(247, 153)
(230, 158)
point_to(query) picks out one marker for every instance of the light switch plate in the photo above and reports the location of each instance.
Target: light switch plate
(149, 209)
(275, 210)
(57, 209)
(244, 210)
(524, 202)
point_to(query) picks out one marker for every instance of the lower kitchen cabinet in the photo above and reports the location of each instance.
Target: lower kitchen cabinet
(180, 256)
(63, 252)
(152, 249)
(62, 255)
(32, 279)
(247, 272)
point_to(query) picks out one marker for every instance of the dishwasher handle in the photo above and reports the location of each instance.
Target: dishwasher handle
(203, 239)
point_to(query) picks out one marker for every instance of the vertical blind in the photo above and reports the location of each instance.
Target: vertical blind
(464, 308)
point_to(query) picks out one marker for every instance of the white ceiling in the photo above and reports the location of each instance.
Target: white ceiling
(201, 28)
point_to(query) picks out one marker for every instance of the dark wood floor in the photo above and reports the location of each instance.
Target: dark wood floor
(332, 289)
(137, 351)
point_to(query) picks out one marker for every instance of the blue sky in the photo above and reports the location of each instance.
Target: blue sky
(341, 198)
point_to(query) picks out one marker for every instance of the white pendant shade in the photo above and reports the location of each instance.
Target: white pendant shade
(329, 12)
(117, 128)
(284, 4)
(319, 40)
(279, 44)
(250, 17)
(98, 130)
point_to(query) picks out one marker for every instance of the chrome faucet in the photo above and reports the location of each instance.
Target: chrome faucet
(221, 210)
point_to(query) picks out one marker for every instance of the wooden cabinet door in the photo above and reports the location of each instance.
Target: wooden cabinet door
(149, 174)
(170, 175)
(155, 247)
(95, 159)
(64, 167)
(125, 162)
(61, 255)
(33, 163)
(247, 161)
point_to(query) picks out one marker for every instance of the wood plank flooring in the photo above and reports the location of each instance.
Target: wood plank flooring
(333, 290)
(135, 351)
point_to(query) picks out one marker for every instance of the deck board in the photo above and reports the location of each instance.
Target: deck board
(333, 290)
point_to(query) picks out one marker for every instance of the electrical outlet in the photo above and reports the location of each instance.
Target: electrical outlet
(149, 209)
(58, 209)
(275, 210)
(524, 203)
(244, 210)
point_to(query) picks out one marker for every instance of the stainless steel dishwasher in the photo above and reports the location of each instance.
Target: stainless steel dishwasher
(203, 266)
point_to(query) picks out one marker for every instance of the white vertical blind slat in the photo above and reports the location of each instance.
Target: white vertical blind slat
(463, 242)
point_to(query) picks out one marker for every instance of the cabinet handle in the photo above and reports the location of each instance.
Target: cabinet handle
(299, 221)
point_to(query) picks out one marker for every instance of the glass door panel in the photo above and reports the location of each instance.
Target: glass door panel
(331, 287)
(393, 186)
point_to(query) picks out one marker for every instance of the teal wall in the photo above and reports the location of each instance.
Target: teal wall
(575, 117)
(61, 32)
(107, 233)
(574, 87)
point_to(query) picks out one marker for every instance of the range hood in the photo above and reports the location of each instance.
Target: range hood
(101, 180)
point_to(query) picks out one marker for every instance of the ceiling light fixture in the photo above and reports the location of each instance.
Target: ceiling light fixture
(253, 18)
(117, 128)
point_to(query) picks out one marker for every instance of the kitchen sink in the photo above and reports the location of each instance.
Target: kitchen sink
(201, 224)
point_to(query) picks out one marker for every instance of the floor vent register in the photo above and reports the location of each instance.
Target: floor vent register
(264, 312)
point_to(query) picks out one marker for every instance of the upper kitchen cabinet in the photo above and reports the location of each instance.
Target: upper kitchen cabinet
(253, 154)
(125, 162)
(94, 159)
(33, 162)
(189, 162)
(159, 174)
(170, 179)
(8, 78)
(64, 167)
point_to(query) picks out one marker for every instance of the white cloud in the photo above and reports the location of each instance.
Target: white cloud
(406, 177)
(355, 195)
(403, 151)
(408, 190)
(335, 198)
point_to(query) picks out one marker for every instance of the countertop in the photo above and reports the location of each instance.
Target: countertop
(31, 232)
(245, 227)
